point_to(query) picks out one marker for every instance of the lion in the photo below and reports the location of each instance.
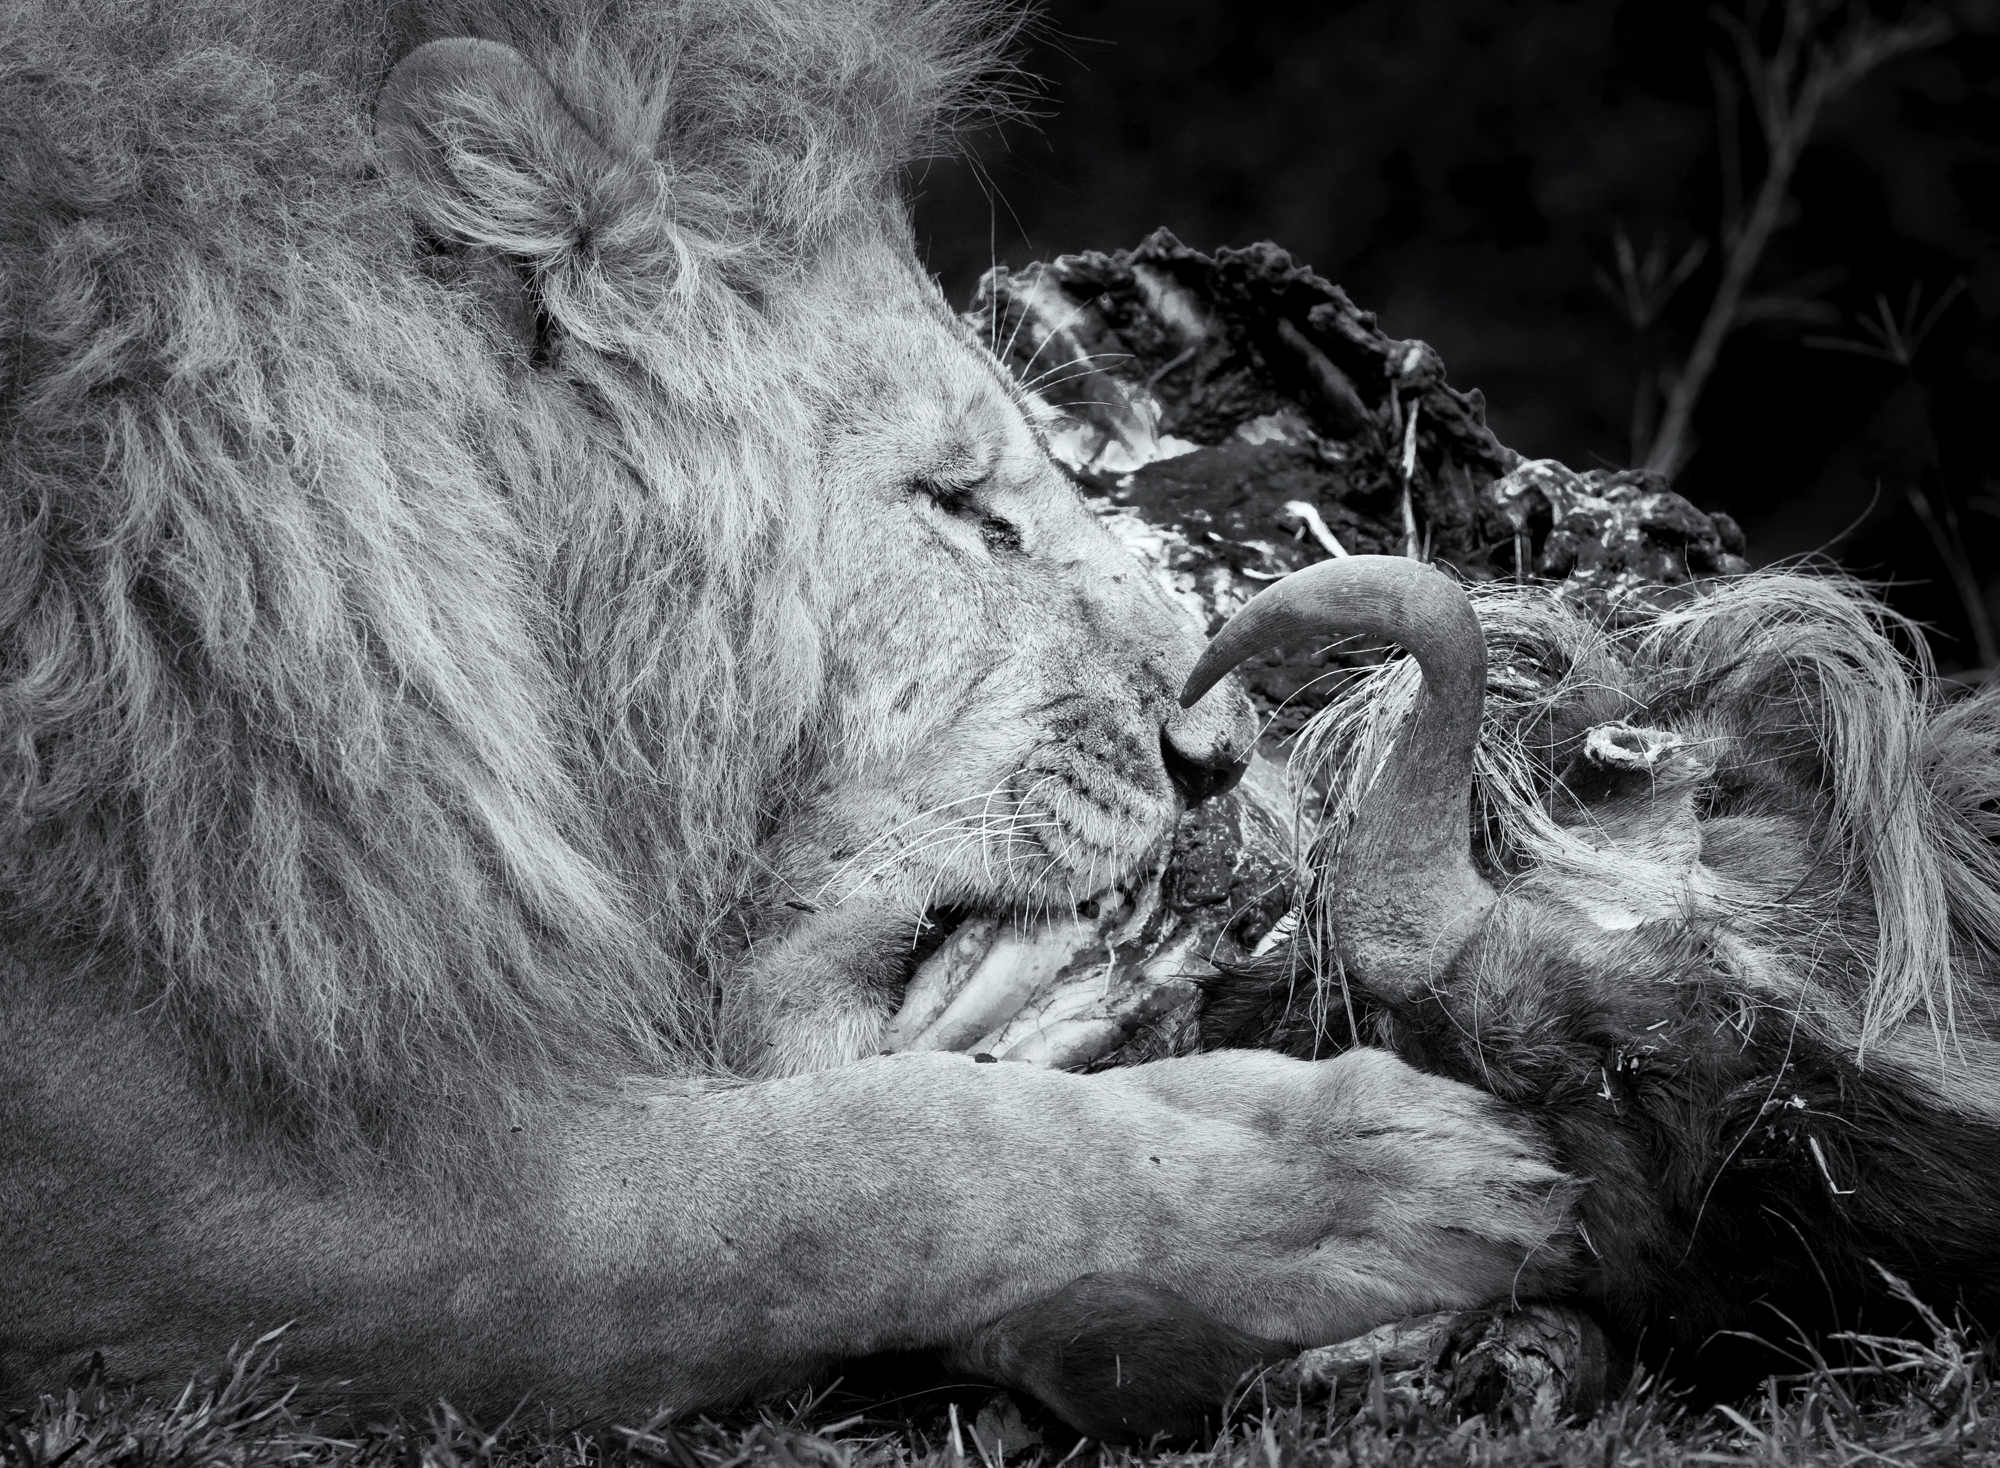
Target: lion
(520, 604)
(1709, 895)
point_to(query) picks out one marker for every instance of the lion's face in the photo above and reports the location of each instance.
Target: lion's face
(1002, 725)
(817, 577)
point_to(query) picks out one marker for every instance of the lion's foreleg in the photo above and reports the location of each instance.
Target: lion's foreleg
(916, 1200)
(1120, 1359)
(684, 1244)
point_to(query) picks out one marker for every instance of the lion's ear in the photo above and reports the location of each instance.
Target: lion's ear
(491, 158)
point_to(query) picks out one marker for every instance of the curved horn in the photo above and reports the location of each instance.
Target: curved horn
(1404, 890)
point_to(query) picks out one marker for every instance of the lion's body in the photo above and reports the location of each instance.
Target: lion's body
(1744, 966)
(515, 594)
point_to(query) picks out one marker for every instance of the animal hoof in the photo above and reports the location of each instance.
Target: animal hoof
(1539, 1364)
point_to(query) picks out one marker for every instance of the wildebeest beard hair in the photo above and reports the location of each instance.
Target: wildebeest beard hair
(1742, 970)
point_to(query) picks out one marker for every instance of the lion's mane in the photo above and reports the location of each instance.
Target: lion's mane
(390, 716)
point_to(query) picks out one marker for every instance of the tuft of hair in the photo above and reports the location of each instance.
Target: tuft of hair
(1803, 795)
(396, 718)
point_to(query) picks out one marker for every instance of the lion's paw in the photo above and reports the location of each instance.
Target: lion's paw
(1361, 1191)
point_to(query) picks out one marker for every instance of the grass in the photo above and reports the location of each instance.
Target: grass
(1889, 1401)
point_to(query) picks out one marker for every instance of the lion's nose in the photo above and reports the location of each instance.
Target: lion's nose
(1206, 754)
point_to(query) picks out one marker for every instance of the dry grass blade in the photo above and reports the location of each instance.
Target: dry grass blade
(1897, 1401)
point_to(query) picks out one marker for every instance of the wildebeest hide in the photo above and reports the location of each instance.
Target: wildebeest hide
(1740, 970)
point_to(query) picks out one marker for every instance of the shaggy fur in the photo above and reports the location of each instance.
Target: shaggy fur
(518, 595)
(1745, 969)
(396, 719)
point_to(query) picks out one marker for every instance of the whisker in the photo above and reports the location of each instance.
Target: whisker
(923, 815)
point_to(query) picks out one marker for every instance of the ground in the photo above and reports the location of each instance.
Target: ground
(1901, 1402)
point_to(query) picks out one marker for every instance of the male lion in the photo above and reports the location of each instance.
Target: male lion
(517, 596)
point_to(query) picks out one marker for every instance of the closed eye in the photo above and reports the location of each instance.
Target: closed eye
(962, 502)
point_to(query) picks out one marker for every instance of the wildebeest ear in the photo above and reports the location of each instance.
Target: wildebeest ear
(491, 157)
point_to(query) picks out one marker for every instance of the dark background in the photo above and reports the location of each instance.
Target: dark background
(1463, 168)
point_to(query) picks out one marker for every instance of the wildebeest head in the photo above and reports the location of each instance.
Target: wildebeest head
(1709, 888)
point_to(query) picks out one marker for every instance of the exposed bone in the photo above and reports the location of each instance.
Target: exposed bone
(1104, 999)
(938, 980)
(1281, 931)
(1078, 1042)
(1627, 746)
(1081, 991)
(1398, 1346)
(1069, 1045)
(1005, 980)
(1071, 993)
(1336, 389)
(1309, 518)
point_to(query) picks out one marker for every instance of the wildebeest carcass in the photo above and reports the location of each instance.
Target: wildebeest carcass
(1711, 897)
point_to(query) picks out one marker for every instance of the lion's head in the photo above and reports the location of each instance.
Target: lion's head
(490, 548)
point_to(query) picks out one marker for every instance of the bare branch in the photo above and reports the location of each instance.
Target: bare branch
(1790, 85)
